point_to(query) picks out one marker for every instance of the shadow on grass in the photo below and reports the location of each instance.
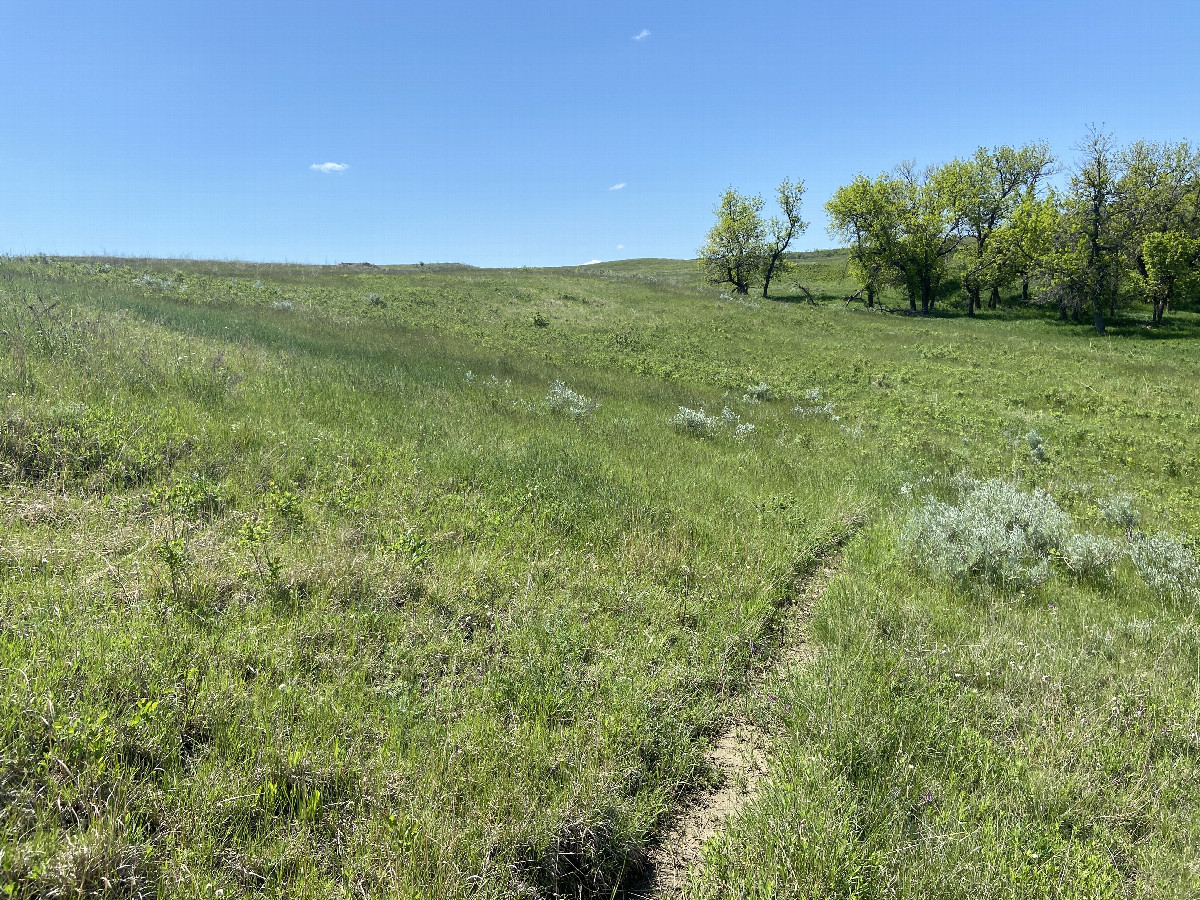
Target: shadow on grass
(1129, 323)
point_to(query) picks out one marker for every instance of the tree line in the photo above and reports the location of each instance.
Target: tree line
(1125, 228)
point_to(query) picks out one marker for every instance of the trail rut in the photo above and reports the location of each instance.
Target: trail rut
(739, 756)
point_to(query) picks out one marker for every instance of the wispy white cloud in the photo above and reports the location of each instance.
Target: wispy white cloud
(617, 187)
(642, 35)
(329, 167)
(620, 246)
(591, 262)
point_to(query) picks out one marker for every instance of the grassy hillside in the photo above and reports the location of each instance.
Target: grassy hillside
(415, 582)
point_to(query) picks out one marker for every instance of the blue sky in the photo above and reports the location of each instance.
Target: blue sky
(530, 133)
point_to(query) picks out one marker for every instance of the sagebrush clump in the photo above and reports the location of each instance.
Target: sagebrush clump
(1167, 565)
(996, 533)
(695, 421)
(1085, 554)
(699, 423)
(562, 399)
(817, 408)
(758, 393)
(1002, 535)
(1037, 446)
(1119, 512)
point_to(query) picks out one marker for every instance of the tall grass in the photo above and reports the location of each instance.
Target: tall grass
(292, 606)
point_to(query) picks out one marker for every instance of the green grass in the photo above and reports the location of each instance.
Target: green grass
(307, 591)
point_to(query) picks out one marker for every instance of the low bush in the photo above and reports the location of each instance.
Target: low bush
(562, 399)
(1037, 446)
(996, 533)
(695, 421)
(758, 393)
(1119, 512)
(1085, 555)
(816, 408)
(1167, 565)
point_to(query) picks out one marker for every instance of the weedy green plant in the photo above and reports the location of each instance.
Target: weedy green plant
(254, 533)
(180, 505)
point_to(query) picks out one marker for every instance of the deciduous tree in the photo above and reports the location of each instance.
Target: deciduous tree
(735, 248)
(856, 216)
(1170, 261)
(1159, 219)
(905, 222)
(987, 189)
(782, 231)
(1086, 262)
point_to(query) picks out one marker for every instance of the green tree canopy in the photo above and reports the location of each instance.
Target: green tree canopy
(903, 225)
(742, 249)
(735, 249)
(1158, 199)
(987, 190)
(782, 231)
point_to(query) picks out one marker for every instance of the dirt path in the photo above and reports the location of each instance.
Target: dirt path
(739, 755)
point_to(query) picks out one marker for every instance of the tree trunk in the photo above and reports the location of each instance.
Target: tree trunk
(1099, 320)
(994, 299)
(972, 298)
(770, 271)
(870, 297)
(1025, 289)
(741, 283)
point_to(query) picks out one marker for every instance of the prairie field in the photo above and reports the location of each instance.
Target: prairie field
(432, 581)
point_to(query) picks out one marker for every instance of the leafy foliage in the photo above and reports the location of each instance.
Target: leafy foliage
(741, 249)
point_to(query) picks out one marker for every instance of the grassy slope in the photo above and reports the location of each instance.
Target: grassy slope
(292, 606)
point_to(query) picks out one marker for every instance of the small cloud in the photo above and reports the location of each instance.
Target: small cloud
(642, 35)
(620, 246)
(617, 187)
(329, 167)
(591, 262)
